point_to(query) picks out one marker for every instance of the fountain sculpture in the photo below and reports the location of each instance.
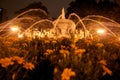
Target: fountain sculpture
(37, 23)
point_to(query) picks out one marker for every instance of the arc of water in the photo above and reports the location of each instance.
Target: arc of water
(80, 20)
(40, 21)
(30, 11)
(56, 21)
(101, 25)
(21, 15)
(62, 16)
(5, 34)
(89, 16)
(29, 18)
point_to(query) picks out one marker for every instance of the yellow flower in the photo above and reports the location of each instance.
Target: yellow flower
(20, 60)
(5, 62)
(48, 52)
(106, 70)
(67, 73)
(103, 62)
(62, 51)
(54, 42)
(79, 51)
(28, 65)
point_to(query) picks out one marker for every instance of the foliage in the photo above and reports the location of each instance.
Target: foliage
(35, 5)
(83, 59)
(105, 8)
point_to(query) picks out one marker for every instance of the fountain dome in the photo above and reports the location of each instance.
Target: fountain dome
(63, 27)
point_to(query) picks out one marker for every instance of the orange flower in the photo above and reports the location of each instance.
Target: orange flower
(103, 62)
(106, 70)
(100, 45)
(14, 50)
(79, 51)
(48, 52)
(20, 60)
(67, 73)
(47, 41)
(5, 62)
(28, 65)
(54, 42)
(62, 51)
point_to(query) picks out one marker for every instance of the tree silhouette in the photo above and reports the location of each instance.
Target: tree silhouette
(32, 16)
(34, 5)
(105, 8)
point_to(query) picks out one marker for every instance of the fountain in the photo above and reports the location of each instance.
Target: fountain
(36, 23)
(64, 26)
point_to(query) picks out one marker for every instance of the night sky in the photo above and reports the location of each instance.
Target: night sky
(54, 6)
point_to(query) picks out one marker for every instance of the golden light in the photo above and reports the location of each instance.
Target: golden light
(14, 29)
(20, 35)
(100, 31)
(119, 38)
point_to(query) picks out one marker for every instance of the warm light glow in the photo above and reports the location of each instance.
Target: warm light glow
(100, 31)
(14, 29)
(20, 36)
(119, 38)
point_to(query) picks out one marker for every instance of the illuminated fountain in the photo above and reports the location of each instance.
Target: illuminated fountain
(41, 25)
(63, 27)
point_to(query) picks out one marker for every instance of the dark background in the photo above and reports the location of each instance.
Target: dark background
(54, 6)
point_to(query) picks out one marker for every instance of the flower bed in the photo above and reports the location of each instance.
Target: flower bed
(59, 59)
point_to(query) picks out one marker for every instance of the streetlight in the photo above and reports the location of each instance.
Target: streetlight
(14, 29)
(100, 31)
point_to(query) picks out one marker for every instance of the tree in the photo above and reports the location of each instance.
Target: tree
(35, 5)
(105, 8)
(31, 14)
